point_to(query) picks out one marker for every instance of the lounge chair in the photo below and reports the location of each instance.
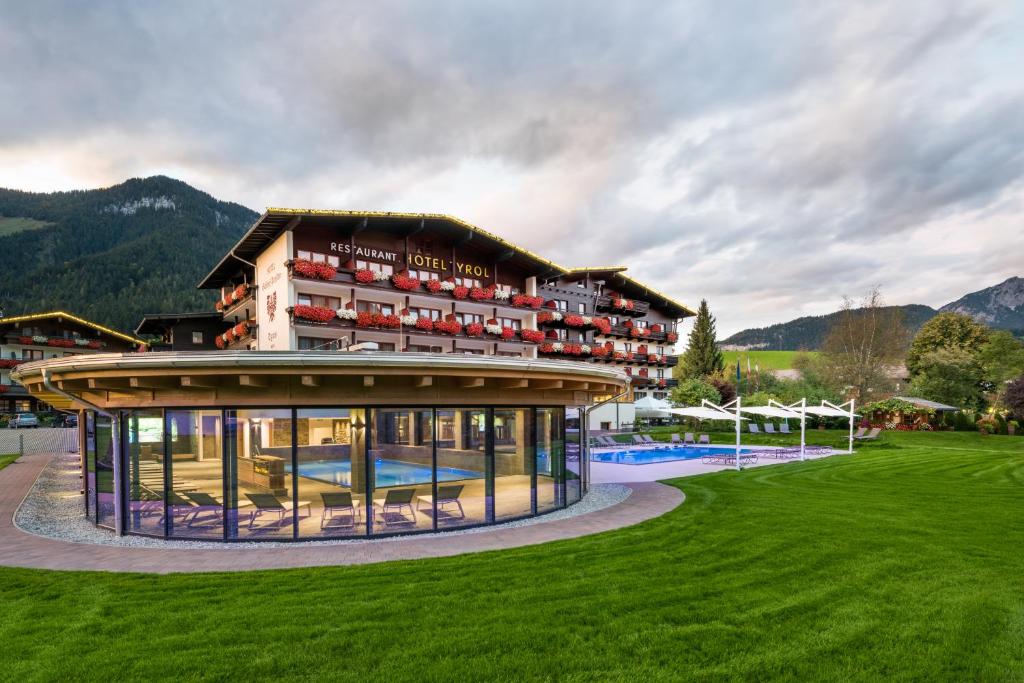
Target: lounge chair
(178, 506)
(446, 496)
(267, 503)
(704, 439)
(339, 504)
(860, 432)
(638, 440)
(769, 428)
(870, 436)
(688, 439)
(609, 441)
(145, 502)
(676, 441)
(752, 426)
(205, 503)
(394, 504)
(784, 428)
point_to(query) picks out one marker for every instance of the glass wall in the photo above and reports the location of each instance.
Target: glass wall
(259, 491)
(195, 500)
(90, 465)
(573, 458)
(104, 472)
(513, 463)
(144, 450)
(279, 474)
(462, 492)
(331, 471)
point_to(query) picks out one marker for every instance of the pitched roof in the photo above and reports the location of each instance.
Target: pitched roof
(30, 317)
(925, 403)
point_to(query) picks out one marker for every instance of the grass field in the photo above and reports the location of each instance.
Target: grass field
(767, 360)
(11, 226)
(903, 562)
(6, 460)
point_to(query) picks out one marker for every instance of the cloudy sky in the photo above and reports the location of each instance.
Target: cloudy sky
(769, 156)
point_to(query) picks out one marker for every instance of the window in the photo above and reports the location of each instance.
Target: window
(467, 318)
(514, 323)
(385, 346)
(331, 302)
(303, 255)
(467, 282)
(639, 395)
(581, 307)
(385, 268)
(562, 334)
(562, 304)
(512, 354)
(316, 257)
(424, 348)
(197, 337)
(375, 307)
(319, 344)
(424, 275)
(332, 448)
(508, 288)
(31, 354)
(431, 313)
(627, 347)
(661, 373)
(661, 350)
(614, 319)
(471, 352)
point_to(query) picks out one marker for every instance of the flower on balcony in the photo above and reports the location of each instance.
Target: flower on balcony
(433, 286)
(40, 339)
(599, 351)
(546, 348)
(629, 355)
(642, 349)
(9, 362)
(533, 336)
(451, 327)
(57, 341)
(241, 330)
(81, 341)
(404, 282)
(317, 271)
(408, 320)
(389, 321)
(25, 340)
(95, 344)
(671, 336)
(318, 314)
(481, 293)
(460, 292)
(364, 276)
(548, 317)
(586, 349)
(424, 324)
(619, 355)
(643, 372)
(639, 332)
(662, 384)
(346, 314)
(551, 303)
(573, 320)
(525, 301)
(447, 286)
(501, 294)
(492, 328)
(603, 325)
(474, 329)
(219, 341)
(652, 358)
(572, 349)
(657, 327)
(623, 304)
(508, 333)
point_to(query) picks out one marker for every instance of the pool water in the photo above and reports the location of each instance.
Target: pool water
(648, 456)
(388, 473)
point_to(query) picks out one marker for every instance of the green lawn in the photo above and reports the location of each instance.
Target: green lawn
(903, 562)
(6, 460)
(767, 360)
(11, 226)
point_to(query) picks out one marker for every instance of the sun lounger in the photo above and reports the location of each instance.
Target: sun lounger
(704, 439)
(752, 426)
(269, 504)
(394, 504)
(609, 441)
(817, 449)
(341, 505)
(688, 439)
(728, 458)
(447, 496)
(676, 441)
(638, 440)
(769, 428)
(870, 436)
(860, 432)
(784, 428)
(204, 503)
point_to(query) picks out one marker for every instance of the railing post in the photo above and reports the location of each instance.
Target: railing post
(21, 445)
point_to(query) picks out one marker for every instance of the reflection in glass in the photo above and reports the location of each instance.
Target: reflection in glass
(513, 462)
(90, 465)
(550, 457)
(259, 494)
(145, 464)
(104, 472)
(461, 467)
(573, 459)
(401, 470)
(195, 502)
(332, 471)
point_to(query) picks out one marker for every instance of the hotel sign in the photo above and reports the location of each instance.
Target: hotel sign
(440, 264)
(359, 251)
(415, 260)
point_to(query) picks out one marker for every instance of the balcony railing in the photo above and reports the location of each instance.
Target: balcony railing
(622, 306)
(463, 333)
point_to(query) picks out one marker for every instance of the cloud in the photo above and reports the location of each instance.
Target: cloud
(768, 157)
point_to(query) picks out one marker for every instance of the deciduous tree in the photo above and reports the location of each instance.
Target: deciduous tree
(950, 331)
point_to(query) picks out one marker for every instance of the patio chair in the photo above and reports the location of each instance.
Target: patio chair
(784, 428)
(446, 496)
(752, 426)
(676, 441)
(860, 432)
(609, 441)
(769, 428)
(704, 439)
(688, 439)
(205, 503)
(338, 504)
(394, 504)
(870, 436)
(267, 503)
(638, 440)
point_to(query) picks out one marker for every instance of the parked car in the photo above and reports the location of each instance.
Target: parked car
(69, 421)
(23, 420)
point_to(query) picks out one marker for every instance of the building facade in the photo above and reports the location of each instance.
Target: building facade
(40, 336)
(327, 280)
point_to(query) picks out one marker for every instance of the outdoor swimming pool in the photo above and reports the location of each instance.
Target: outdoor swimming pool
(648, 456)
(388, 472)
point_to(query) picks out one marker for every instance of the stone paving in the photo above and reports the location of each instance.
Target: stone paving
(18, 548)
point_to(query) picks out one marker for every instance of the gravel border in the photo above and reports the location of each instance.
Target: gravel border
(53, 509)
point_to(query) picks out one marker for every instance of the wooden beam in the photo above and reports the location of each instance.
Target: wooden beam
(200, 381)
(293, 223)
(108, 384)
(254, 381)
(152, 382)
(513, 383)
(71, 384)
(576, 385)
(367, 380)
(546, 384)
(471, 382)
(311, 380)
(424, 381)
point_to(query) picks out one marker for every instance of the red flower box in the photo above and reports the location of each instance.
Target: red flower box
(94, 344)
(474, 329)
(573, 320)
(671, 336)
(546, 348)
(433, 286)
(652, 358)
(603, 325)
(219, 341)
(389, 322)
(481, 293)
(451, 327)
(63, 343)
(460, 292)
(619, 355)
(318, 314)
(403, 282)
(317, 271)
(572, 349)
(364, 276)
(25, 340)
(662, 383)
(598, 351)
(425, 324)
(508, 333)
(534, 336)
(9, 363)
(524, 301)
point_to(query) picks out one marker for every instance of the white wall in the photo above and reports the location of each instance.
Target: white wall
(274, 296)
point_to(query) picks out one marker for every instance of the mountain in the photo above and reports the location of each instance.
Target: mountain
(114, 254)
(999, 307)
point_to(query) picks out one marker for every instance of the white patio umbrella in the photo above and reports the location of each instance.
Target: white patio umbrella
(774, 409)
(710, 411)
(827, 409)
(651, 407)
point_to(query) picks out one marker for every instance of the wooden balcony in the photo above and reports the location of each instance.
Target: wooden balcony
(607, 303)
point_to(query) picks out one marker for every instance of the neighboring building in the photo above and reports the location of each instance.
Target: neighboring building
(55, 334)
(322, 280)
(181, 331)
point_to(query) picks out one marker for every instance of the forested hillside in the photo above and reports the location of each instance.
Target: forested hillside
(112, 255)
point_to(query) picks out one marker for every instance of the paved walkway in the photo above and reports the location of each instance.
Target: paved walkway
(21, 549)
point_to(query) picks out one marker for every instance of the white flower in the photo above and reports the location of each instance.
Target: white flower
(379, 276)
(557, 346)
(502, 294)
(40, 339)
(447, 286)
(346, 314)
(409, 320)
(556, 315)
(585, 348)
(493, 329)
(587, 320)
(81, 341)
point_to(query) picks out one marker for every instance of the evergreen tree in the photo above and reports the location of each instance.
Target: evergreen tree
(702, 357)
